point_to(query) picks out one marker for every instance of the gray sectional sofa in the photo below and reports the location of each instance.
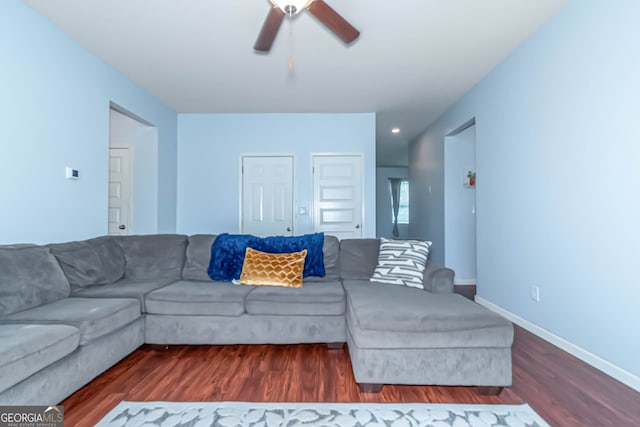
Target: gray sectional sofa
(70, 311)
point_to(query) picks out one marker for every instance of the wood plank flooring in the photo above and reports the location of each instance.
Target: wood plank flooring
(562, 389)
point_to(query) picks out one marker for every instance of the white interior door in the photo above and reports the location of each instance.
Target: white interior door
(119, 191)
(337, 195)
(267, 195)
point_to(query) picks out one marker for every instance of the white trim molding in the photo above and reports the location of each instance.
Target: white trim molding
(465, 282)
(586, 356)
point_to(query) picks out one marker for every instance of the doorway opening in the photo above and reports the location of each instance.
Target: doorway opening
(133, 189)
(460, 203)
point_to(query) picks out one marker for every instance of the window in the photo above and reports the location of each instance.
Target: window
(403, 212)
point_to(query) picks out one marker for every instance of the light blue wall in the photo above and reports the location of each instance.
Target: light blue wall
(557, 151)
(384, 211)
(426, 192)
(209, 161)
(459, 206)
(55, 113)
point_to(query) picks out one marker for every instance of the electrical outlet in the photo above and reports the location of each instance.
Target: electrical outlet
(535, 293)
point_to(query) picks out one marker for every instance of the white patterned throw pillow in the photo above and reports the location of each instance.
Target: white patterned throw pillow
(401, 262)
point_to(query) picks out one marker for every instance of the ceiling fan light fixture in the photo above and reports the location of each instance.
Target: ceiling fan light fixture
(291, 7)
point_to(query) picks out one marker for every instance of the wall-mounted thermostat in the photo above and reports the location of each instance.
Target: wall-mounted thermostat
(72, 173)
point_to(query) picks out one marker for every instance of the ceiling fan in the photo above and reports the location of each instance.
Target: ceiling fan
(318, 8)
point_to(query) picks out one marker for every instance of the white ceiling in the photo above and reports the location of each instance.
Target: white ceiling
(414, 58)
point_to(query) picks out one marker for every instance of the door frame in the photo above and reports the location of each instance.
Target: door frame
(294, 222)
(312, 197)
(148, 218)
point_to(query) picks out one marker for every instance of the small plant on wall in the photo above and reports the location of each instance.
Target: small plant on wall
(471, 179)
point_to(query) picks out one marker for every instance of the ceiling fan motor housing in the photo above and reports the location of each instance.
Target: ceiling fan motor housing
(291, 7)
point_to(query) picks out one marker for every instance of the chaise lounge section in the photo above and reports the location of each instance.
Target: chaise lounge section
(413, 336)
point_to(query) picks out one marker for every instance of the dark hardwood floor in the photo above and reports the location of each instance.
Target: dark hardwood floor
(467, 291)
(561, 388)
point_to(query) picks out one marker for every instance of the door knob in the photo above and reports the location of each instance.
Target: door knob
(357, 225)
(288, 228)
(122, 227)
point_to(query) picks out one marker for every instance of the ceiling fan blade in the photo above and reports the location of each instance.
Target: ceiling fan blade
(333, 21)
(269, 30)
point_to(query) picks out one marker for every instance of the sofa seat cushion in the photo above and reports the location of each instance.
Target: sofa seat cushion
(198, 298)
(382, 316)
(25, 349)
(313, 299)
(126, 288)
(94, 317)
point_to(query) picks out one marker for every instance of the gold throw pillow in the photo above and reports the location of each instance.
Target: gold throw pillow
(262, 268)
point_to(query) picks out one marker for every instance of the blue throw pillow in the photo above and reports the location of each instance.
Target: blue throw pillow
(313, 243)
(227, 255)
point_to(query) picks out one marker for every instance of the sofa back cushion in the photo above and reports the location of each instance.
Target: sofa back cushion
(153, 256)
(88, 263)
(358, 258)
(29, 276)
(198, 257)
(331, 254)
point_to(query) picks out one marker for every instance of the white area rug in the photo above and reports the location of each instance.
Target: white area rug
(228, 414)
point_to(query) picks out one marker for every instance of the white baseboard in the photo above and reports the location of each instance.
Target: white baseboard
(465, 282)
(597, 362)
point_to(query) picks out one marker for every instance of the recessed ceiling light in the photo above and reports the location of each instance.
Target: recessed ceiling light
(395, 130)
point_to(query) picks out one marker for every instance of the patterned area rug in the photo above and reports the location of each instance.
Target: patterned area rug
(230, 414)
